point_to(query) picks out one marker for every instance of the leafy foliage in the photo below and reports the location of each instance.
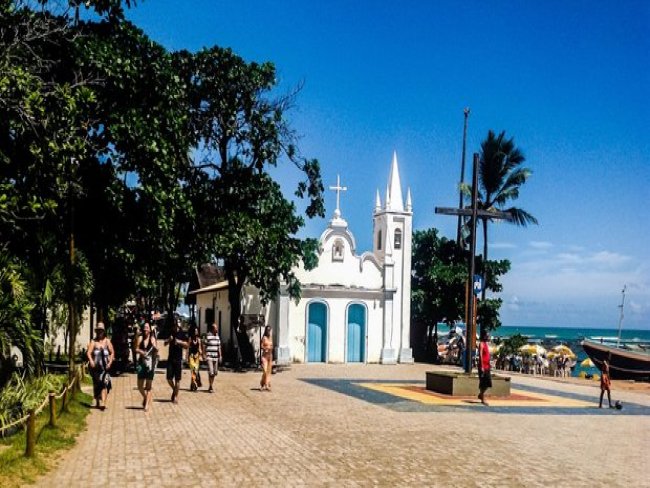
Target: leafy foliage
(439, 274)
(15, 323)
(149, 161)
(500, 179)
(239, 132)
(439, 279)
(512, 344)
(19, 396)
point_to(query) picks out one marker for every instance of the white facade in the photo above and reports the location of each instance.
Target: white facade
(354, 307)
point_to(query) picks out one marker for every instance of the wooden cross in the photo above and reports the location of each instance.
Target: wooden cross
(338, 189)
(474, 213)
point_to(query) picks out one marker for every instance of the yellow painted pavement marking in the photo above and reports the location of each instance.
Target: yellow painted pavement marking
(532, 399)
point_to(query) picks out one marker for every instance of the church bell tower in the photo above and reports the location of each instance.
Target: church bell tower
(392, 240)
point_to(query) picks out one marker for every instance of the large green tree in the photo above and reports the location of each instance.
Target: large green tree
(44, 128)
(240, 132)
(438, 284)
(145, 162)
(143, 133)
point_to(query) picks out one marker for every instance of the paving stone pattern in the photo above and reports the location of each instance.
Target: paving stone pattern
(301, 434)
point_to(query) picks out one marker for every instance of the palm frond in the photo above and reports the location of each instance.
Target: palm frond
(517, 177)
(520, 217)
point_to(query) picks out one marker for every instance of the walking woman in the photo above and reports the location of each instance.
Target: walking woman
(267, 359)
(147, 352)
(194, 358)
(100, 357)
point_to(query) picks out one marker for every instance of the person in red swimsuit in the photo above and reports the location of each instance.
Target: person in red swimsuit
(484, 374)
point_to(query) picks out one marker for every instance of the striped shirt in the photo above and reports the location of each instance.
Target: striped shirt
(212, 345)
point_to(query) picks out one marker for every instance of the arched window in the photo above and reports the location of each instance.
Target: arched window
(398, 239)
(379, 240)
(337, 250)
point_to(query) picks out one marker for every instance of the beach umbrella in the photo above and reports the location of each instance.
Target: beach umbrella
(566, 350)
(532, 349)
(587, 363)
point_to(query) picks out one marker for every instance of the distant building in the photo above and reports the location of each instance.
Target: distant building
(354, 307)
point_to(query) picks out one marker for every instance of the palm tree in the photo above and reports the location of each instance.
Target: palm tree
(15, 320)
(500, 177)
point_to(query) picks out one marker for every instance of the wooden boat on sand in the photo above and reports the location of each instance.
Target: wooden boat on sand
(623, 363)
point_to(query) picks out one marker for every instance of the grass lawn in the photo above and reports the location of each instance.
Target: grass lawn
(16, 469)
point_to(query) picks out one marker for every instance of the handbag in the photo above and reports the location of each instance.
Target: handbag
(106, 379)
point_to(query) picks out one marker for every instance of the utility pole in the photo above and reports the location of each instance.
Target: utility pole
(461, 204)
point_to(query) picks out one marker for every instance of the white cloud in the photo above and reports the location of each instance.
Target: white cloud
(540, 245)
(576, 288)
(502, 245)
(608, 259)
(574, 248)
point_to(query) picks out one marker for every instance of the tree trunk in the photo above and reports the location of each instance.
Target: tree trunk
(92, 320)
(169, 295)
(234, 299)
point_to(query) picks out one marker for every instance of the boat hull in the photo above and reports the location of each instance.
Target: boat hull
(623, 364)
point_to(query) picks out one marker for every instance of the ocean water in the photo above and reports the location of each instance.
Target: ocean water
(573, 334)
(550, 336)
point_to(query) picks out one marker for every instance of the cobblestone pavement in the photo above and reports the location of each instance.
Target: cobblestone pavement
(301, 434)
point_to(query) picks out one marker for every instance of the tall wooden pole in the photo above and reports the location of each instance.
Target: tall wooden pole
(472, 267)
(462, 180)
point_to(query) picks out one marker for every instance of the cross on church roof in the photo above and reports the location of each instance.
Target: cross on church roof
(338, 189)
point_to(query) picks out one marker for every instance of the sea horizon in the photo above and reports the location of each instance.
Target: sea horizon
(573, 334)
(604, 327)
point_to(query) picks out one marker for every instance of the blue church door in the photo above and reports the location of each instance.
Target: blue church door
(316, 333)
(356, 333)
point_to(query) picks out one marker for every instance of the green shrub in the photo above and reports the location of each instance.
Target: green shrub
(19, 397)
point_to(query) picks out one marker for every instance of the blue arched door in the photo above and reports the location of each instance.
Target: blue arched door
(316, 332)
(356, 333)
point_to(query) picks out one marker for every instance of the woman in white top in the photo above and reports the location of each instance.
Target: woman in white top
(100, 357)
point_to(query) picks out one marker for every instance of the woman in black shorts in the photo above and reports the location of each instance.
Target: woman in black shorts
(147, 352)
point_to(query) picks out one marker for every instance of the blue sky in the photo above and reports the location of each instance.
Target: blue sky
(569, 80)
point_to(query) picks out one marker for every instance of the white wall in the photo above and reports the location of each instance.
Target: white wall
(336, 328)
(352, 271)
(83, 336)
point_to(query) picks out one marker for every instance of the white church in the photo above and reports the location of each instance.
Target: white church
(355, 308)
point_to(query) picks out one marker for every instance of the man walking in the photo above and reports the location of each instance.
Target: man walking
(177, 341)
(484, 367)
(212, 353)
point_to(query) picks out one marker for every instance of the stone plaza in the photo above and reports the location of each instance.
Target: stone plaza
(359, 425)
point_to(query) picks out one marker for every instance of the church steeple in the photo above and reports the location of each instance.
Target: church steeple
(377, 202)
(395, 188)
(393, 233)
